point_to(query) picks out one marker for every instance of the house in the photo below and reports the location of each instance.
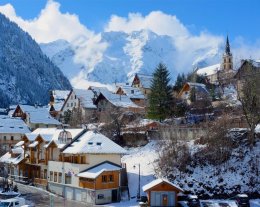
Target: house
(143, 82)
(11, 131)
(57, 99)
(80, 99)
(161, 192)
(77, 164)
(221, 73)
(35, 116)
(247, 68)
(135, 94)
(200, 92)
(108, 102)
(14, 161)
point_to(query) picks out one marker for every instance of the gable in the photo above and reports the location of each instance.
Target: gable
(164, 186)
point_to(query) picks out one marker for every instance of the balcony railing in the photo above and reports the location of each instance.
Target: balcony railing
(40, 181)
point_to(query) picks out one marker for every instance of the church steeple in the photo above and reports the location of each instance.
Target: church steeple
(227, 49)
(227, 63)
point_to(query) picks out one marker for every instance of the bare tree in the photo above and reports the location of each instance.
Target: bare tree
(249, 96)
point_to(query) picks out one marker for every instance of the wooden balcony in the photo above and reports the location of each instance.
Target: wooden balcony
(40, 181)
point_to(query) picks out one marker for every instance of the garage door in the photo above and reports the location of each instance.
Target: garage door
(78, 195)
(69, 193)
(162, 198)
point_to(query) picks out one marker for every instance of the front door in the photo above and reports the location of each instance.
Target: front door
(114, 195)
(164, 199)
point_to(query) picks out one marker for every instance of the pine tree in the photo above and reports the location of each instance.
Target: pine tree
(160, 99)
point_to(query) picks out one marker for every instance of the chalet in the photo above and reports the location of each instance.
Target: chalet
(11, 131)
(199, 89)
(248, 68)
(14, 161)
(135, 94)
(80, 99)
(35, 116)
(57, 99)
(143, 82)
(77, 164)
(107, 102)
(161, 192)
(221, 73)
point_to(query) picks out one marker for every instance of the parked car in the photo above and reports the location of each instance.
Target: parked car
(242, 200)
(193, 201)
(14, 202)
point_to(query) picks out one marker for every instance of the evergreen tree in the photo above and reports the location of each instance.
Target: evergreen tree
(180, 81)
(160, 99)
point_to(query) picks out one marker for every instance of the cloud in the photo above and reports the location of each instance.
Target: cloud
(156, 21)
(51, 25)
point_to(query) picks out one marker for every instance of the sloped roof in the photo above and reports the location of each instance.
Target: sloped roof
(93, 143)
(39, 115)
(56, 133)
(159, 181)
(59, 98)
(209, 70)
(132, 92)
(85, 97)
(96, 170)
(199, 87)
(12, 125)
(45, 133)
(7, 158)
(119, 100)
(146, 80)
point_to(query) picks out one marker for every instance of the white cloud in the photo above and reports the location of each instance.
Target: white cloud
(51, 25)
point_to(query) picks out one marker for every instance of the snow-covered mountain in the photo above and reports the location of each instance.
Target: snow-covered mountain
(129, 53)
(26, 74)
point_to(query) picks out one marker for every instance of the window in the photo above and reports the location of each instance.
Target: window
(71, 104)
(83, 159)
(68, 105)
(75, 97)
(12, 137)
(132, 91)
(55, 176)
(60, 177)
(45, 174)
(104, 178)
(111, 178)
(75, 104)
(67, 179)
(4, 137)
(100, 196)
(51, 176)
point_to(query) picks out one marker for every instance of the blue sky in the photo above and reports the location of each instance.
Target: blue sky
(235, 17)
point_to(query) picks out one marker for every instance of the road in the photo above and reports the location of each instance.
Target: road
(38, 197)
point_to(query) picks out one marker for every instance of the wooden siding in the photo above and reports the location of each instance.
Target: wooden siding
(107, 185)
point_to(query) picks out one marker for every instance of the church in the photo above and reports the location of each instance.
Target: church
(221, 73)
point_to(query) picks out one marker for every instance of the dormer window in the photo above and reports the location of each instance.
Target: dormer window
(90, 143)
(65, 137)
(99, 143)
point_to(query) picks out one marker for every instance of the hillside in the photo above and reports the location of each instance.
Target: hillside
(127, 54)
(26, 74)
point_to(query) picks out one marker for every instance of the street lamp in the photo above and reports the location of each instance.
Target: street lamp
(138, 192)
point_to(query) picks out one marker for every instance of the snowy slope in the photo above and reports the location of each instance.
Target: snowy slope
(127, 54)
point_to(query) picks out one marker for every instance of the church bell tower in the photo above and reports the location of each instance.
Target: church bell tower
(227, 58)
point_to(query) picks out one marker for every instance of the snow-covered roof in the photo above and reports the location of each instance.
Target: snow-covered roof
(146, 80)
(45, 133)
(17, 150)
(34, 144)
(157, 182)
(256, 63)
(56, 133)
(59, 98)
(18, 144)
(12, 125)
(95, 171)
(94, 143)
(39, 115)
(7, 158)
(85, 97)
(199, 87)
(119, 100)
(132, 92)
(209, 70)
